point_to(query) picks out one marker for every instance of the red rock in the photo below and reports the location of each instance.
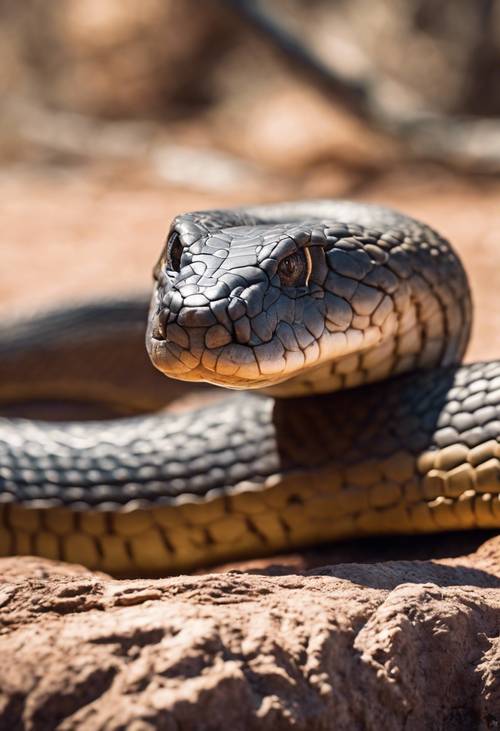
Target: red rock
(399, 644)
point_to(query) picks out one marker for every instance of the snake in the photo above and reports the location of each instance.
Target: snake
(339, 329)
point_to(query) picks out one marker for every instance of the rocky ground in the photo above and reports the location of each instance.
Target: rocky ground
(392, 645)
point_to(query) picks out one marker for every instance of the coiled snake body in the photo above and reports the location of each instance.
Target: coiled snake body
(351, 320)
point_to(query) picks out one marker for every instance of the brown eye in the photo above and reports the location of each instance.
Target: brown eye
(294, 270)
(174, 252)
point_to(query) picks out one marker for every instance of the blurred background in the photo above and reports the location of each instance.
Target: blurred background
(119, 114)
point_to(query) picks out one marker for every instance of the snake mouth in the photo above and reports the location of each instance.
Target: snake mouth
(233, 366)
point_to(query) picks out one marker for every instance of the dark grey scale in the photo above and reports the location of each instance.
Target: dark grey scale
(33, 492)
(393, 237)
(196, 317)
(271, 296)
(201, 464)
(185, 290)
(445, 420)
(218, 243)
(425, 292)
(292, 293)
(190, 238)
(207, 281)
(314, 320)
(274, 251)
(331, 241)
(196, 300)
(400, 263)
(211, 263)
(457, 283)
(473, 402)
(492, 429)
(250, 274)
(199, 267)
(285, 308)
(241, 263)
(218, 254)
(244, 236)
(370, 242)
(299, 309)
(219, 291)
(274, 316)
(262, 327)
(477, 386)
(365, 299)
(338, 311)
(245, 452)
(21, 463)
(216, 337)
(243, 330)
(101, 493)
(236, 308)
(286, 335)
(270, 267)
(217, 477)
(446, 299)
(219, 309)
(349, 245)
(454, 407)
(233, 279)
(475, 436)
(485, 415)
(237, 439)
(236, 473)
(459, 392)
(186, 225)
(493, 397)
(173, 300)
(341, 285)
(301, 236)
(303, 336)
(375, 252)
(196, 248)
(337, 232)
(382, 278)
(318, 236)
(277, 249)
(187, 282)
(253, 297)
(355, 264)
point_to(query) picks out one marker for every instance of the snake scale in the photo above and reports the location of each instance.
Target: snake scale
(343, 323)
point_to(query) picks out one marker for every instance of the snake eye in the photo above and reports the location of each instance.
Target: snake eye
(294, 270)
(174, 252)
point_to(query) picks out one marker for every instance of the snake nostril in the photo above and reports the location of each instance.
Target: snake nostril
(159, 330)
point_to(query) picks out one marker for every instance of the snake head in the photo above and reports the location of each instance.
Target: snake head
(295, 307)
(226, 301)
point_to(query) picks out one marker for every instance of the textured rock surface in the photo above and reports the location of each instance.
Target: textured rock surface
(406, 644)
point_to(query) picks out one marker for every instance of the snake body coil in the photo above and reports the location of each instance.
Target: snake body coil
(352, 319)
